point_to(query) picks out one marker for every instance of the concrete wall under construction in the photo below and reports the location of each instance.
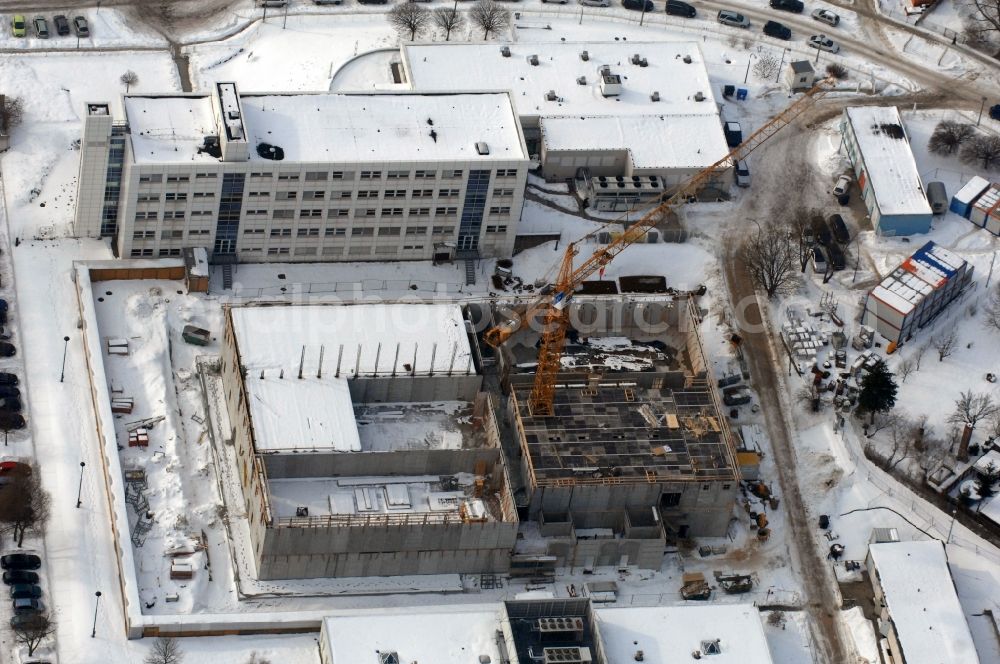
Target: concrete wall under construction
(360, 464)
(459, 386)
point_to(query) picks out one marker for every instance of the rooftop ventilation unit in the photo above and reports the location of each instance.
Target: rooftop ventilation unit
(585, 56)
(639, 60)
(655, 96)
(611, 84)
(699, 96)
(388, 658)
(301, 510)
(582, 80)
(533, 59)
(551, 96)
(711, 647)
(566, 656)
(687, 59)
(604, 69)
(505, 51)
(482, 147)
(560, 625)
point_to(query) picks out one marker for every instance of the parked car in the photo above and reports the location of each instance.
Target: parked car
(995, 112)
(826, 16)
(373, 2)
(795, 6)
(62, 25)
(41, 27)
(824, 43)
(555, 2)
(819, 260)
(9, 391)
(679, 8)
(839, 229)
(777, 30)
(937, 197)
(596, 3)
(19, 576)
(20, 561)
(734, 19)
(843, 185)
(7, 349)
(18, 25)
(81, 27)
(733, 132)
(8, 378)
(638, 5)
(11, 421)
(11, 469)
(28, 605)
(836, 255)
(23, 620)
(25, 591)
(742, 172)
(11, 404)
(821, 234)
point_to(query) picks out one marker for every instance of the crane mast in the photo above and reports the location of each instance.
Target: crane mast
(553, 305)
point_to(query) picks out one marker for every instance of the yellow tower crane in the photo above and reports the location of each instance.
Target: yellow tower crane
(552, 304)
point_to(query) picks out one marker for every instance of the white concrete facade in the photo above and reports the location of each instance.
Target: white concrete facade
(387, 202)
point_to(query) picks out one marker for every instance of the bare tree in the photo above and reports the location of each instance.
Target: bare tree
(166, 650)
(945, 344)
(24, 505)
(992, 310)
(918, 356)
(949, 136)
(985, 18)
(766, 65)
(771, 259)
(30, 633)
(901, 438)
(837, 71)
(905, 368)
(983, 151)
(256, 659)
(971, 407)
(11, 112)
(490, 17)
(128, 79)
(448, 19)
(881, 420)
(409, 17)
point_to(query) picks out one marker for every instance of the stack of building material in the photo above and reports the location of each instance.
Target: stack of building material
(122, 405)
(985, 212)
(139, 438)
(916, 292)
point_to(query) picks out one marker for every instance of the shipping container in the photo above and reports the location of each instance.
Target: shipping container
(961, 202)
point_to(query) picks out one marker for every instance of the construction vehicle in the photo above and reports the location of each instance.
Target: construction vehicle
(694, 586)
(554, 297)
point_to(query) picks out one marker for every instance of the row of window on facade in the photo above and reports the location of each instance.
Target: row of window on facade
(323, 176)
(498, 210)
(385, 231)
(386, 250)
(450, 192)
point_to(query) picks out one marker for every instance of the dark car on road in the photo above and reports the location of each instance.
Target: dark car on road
(839, 228)
(777, 30)
(821, 233)
(795, 6)
(9, 391)
(8, 378)
(7, 349)
(25, 591)
(20, 561)
(24, 620)
(638, 5)
(678, 8)
(837, 260)
(10, 404)
(13, 576)
(22, 606)
(62, 25)
(11, 421)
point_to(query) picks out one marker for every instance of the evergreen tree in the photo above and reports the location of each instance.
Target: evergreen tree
(986, 480)
(878, 390)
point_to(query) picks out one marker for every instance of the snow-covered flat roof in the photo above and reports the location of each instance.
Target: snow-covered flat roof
(384, 127)
(169, 128)
(363, 338)
(669, 634)
(332, 127)
(676, 70)
(902, 291)
(653, 141)
(885, 148)
(416, 635)
(922, 602)
(307, 413)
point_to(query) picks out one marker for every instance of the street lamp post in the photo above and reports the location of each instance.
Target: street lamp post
(62, 372)
(981, 107)
(777, 76)
(79, 491)
(97, 604)
(749, 60)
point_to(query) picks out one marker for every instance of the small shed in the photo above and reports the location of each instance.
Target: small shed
(196, 269)
(800, 75)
